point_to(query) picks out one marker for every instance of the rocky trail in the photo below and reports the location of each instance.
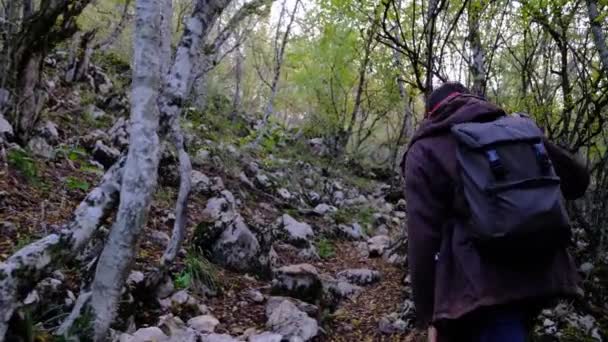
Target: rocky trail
(283, 243)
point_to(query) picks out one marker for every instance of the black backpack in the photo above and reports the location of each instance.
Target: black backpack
(511, 191)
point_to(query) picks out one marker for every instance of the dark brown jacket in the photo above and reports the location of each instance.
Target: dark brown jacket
(449, 278)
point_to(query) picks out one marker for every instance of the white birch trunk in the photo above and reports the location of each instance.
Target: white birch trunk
(141, 170)
(30, 264)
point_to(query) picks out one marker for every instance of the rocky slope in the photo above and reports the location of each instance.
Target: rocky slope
(284, 243)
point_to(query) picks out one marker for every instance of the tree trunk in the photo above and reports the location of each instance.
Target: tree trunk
(141, 169)
(30, 99)
(238, 76)
(24, 269)
(278, 60)
(166, 34)
(430, 37)
(599, 36)
(477, 64)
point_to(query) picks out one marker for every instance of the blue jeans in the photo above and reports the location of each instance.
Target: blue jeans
(489, 325)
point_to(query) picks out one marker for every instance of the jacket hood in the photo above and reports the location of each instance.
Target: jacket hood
(459, 109)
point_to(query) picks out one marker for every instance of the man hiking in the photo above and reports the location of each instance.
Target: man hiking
(487, 229)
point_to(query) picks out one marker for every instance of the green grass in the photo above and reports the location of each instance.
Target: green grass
(363, 215)
(74, 183)
(21, 161)
(198, 274)
(325, 249)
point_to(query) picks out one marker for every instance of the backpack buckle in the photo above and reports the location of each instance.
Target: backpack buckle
(495, 164)
(542, 156)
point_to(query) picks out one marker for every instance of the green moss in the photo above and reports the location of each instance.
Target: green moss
(325, 249)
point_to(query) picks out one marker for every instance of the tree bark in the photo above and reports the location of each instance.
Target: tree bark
(477, 62)
(278, 65)
(599, 36)
(238, 76)
(141, 169)
(166, 33)
(29, 265)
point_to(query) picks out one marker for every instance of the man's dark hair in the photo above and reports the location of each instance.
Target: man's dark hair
(448, 89)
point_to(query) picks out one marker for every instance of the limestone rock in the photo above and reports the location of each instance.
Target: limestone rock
(273, 302)
(350, 232)
(298, 233)
(299, 281)
(294, 325)
(203, 324)
(360, 276)
(377, 245)
(41, 148)
(200, 182)
(266, 337)
(218, 338)
(104, 154)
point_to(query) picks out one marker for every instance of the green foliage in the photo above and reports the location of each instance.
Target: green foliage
(74, 183)
(363, 215)
(572, 334)
(198, 274)
(23, 162)
(325, 249)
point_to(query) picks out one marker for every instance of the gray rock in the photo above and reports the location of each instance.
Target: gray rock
(313, 197)
(48, 130)
(218, 338)
(7, 228)
(323, 209)
(135, 278)
(159, 238)
(298, 233)
(400, 214)
(318, 147)
(165, 289)
(6, 129)
(389, 325)
(200, 182)
(338, 198)
(273, 302)
(245, 180)
(201, 157)
(377, 245)
(335, 291)
(360, 276)
(362, 249)
(266, 337)
(95, 112)
(287, 320)
(88, 141)
(237, 247)
(284, 194)
(263, 181)
(309, 182)
(298, 281)
(252, 169)
(151, 334)
(119, 133)
(104, 154)
(586, 268)
(350, 232)
(41, 148)
(203, 324)
(255, 296)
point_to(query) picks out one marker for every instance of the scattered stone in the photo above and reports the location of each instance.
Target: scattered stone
(88, 141)
(135, 278)
(309, 182)
(298, 281)
(180, 297)
(266, 337)
(284, 194)
(218, 338)
(252, 169)
(338, 198)
(400, 214)
(255, 296)
(323, 209)
(350, 232)
(362, 249)
(200, 182)
(377, 245)
(237, 247)
(201, 157)
(203, 324)
(41, 148)
(104, 154)
(586, 268)
(49, 132)
(335, 291)
(245, 180)
(263, 181)
(159, 238)
(313, 197)
(145, 335)
(6, 129)
(360, 276)
(287, 320)
(95, 112)
(389, 325)
(298, 233)
(273, 302)
(165, 289)
(318, 147)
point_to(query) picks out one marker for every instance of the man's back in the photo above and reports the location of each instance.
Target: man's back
(450, 278)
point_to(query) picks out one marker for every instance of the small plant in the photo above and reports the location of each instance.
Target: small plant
(325, 249)
(21, 160)
(74, 183)
(198, 274)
